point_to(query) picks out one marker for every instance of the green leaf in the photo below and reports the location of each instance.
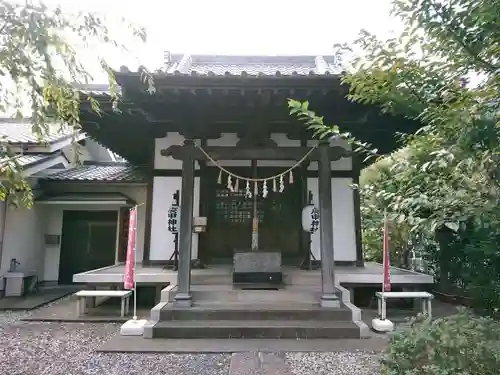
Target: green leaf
(41, 69)
(452, 225)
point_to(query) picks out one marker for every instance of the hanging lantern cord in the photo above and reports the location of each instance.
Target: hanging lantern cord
(257, 179)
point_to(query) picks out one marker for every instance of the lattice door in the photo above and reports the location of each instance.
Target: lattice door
(230, 219)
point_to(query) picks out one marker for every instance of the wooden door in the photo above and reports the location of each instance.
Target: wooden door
(230, 218)
(74, 248)
(102, 244)
(88, 242)
(280, 223)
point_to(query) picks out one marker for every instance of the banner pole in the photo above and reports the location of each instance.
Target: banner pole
(134, 326)
(384, 260)
(135, 262)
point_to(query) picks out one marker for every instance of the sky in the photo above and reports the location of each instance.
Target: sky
(265, 27)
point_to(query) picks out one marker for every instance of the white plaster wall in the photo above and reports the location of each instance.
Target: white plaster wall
(282, 141)
(84, 155)
(53, 219)
(227, 140)
(97, 152)
(23, 239)
(344, 234)
(162, 162)
(230, 140)
(164, 187)
(162, 241)
(343, 164)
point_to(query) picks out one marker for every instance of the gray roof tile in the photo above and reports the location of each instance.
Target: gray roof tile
(250, 65)
(232, 65)
(102, 172)
(21, 132)
(96, 89)
(29, 159)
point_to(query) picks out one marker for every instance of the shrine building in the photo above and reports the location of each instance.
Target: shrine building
(215, 138)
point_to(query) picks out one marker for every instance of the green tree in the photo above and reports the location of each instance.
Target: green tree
(460, 344)
(442, 70)
(40, 71)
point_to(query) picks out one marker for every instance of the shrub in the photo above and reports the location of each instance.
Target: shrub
(460, 344)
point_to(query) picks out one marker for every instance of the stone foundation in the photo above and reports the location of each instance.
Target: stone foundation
(257, 267)
(256, 261)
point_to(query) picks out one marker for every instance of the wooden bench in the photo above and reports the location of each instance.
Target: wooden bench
(382, 298)
(83, 294)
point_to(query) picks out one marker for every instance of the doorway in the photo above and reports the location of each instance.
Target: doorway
(88, 242)
(230, 217)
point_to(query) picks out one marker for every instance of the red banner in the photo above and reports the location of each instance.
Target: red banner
(128, 277)
(386, 285)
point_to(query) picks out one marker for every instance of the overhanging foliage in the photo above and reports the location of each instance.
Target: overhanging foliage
(443, 71)
(41, 69)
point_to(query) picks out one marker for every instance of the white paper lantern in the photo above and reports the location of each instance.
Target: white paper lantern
(173, 219)
(310, 218)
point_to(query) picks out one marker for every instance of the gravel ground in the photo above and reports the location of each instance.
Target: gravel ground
(37, 348)
(343, 363)
(28, 348)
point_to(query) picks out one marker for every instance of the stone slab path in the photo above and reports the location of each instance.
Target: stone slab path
(326, 363)
(258, 363)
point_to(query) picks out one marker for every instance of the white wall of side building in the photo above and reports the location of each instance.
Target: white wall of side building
(25, 228)
(53, 219)
(23, 239)
(164, 188)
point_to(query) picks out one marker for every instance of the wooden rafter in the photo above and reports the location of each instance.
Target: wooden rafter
(265, 153)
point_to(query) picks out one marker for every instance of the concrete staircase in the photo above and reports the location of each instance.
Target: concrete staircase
(222, 312)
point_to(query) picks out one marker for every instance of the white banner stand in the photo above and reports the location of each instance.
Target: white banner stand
(381, 323)
(134, 326)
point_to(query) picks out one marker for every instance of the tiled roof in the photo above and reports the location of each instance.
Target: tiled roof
(102, 172)
(220, 65)
(29, 159)
(231, 65)
(21, 132)
(96, 89)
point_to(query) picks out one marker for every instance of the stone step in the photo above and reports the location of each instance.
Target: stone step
(255, 296)
(212, 279)
(270, 329)
(304, 278)
(296, 312)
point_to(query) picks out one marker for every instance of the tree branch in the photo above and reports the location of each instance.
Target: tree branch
(492, 68)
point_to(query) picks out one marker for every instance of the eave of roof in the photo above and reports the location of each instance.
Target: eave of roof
(32, 164)
(98, 198)
(200, 70)
(20, 133)
(30, 160)
(115, 172)
(250, 65)
(228, 77)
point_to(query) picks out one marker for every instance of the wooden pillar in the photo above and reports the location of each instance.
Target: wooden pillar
(183, 297)
(328, 296)
(357, 213)
(255, 211)
(203, 248)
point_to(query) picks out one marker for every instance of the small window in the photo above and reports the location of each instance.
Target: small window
(52, 239)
